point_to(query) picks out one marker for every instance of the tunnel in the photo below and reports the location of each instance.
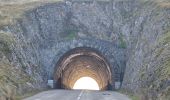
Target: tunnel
(83, 62)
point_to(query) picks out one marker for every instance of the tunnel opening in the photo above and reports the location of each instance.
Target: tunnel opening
(86, 83)
(81, 62)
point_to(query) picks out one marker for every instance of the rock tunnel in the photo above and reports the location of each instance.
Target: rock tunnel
(119, 43)
(83, 62)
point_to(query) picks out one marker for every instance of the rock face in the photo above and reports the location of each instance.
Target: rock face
(54, 29)
(147, 67)
(134, 36)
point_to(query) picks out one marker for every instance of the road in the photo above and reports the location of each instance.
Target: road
(78, 95)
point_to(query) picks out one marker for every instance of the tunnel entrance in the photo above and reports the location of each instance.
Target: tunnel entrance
(81, 62)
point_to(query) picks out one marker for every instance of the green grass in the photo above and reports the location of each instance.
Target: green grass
(122, 42)
(6, 39)
(133, 97)
(165, 65)
(29, 94)
(12, 10)
(129, 94)
(165, 38)
(10, 78)
(71, 34)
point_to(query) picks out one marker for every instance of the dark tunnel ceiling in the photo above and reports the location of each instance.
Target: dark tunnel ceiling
(82, 62)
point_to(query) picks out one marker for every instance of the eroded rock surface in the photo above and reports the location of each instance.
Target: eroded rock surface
(133, 35)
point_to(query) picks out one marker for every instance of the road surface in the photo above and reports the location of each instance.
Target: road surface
(78, 95)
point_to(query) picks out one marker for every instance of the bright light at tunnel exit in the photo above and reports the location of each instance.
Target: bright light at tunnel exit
(86, 83)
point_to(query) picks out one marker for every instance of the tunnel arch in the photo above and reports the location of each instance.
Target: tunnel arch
(81, 62)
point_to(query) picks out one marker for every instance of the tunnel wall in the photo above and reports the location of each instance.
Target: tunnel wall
(108, 53)
(82, 62)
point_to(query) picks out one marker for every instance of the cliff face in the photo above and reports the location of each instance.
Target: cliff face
(133, 35)
(147, 67)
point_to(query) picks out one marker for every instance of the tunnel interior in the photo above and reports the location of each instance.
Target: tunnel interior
(83, 62)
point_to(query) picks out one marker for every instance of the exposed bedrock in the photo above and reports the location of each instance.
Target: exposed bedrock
(132, 37)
